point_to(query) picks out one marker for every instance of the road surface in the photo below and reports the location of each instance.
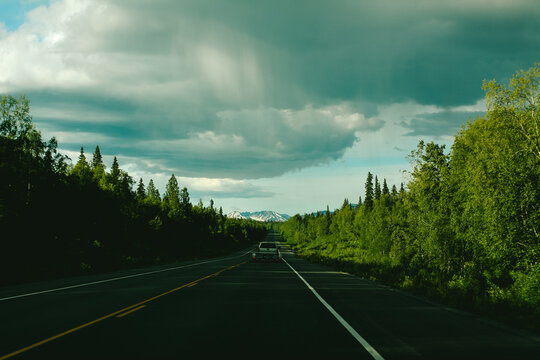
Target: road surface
(231, 306)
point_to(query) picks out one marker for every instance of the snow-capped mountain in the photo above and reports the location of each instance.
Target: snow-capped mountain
(236, 215)
(265, 216)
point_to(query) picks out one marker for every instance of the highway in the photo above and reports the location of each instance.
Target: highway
(231, 306)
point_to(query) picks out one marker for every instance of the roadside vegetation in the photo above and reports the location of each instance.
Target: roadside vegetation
(465, 229)
(59, 219)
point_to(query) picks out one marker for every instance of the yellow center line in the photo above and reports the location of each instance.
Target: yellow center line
(126, 309)
(130, 311)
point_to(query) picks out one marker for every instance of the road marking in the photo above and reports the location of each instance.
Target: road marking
(126, 309)
(130, 311)
(370, 349)
(117, 278)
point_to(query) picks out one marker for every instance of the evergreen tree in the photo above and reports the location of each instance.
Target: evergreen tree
(152, 193)
(151, 188)
(82, 169)
(97, 160)
(82, 157)
(141, 193)
(385, 190)
(377, 189)
(171, 198)
(328, 218)
(125, 187)
(114, 175)
(185, 204)
(394, 191)
(368, 202)
(98, 168)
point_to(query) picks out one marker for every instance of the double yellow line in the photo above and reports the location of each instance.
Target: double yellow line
(119, 313)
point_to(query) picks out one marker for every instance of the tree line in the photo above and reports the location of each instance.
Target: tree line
(465, 228)
(60, 219)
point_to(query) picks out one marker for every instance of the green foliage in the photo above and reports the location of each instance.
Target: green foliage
(98, 169)
(377, 189)
(185, 204)
(385, 190)
(466, 229)
(81, 170)
(368, 199)
(152, 194)
(171, 198)
(16, 123)
(518, 104)
(114, 175)
(141, 192)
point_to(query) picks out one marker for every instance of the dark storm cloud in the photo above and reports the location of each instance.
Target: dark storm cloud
(245, 89)
(432, 52)
(438, 124)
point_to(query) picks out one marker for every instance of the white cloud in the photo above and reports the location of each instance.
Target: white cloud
(30, 57)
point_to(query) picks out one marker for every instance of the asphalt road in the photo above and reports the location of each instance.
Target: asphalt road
(231, 306)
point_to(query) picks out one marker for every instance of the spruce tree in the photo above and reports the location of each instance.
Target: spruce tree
(377, 189)
(82, 169)
(98, 168)
(385, 189)
(114, 175)
(97, 160)
(82, 157)
(368, 202)
(394, 191)
(141, 193)
(328, 222)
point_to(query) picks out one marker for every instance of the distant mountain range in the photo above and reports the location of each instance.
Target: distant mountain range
(265, 216)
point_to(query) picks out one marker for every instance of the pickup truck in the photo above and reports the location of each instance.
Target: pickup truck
(267, 251)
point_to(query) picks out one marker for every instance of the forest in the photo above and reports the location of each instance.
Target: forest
(59, 219)
(465, 228)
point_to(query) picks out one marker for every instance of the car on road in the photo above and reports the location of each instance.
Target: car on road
(266, 251)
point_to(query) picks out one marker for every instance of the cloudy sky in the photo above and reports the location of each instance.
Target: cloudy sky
(281, 105)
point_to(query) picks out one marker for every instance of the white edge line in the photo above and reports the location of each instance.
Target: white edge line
(370, 349)
(118, 278)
